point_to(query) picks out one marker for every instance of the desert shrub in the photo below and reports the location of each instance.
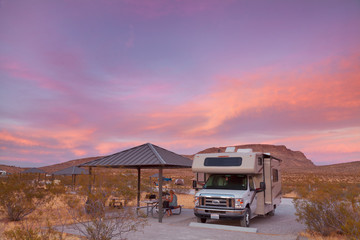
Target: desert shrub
(327, 207)
(20, 197)
(19, 233)
(95, 222)
(30, 230)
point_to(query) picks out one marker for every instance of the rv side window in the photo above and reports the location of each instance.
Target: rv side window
(223, 161)
(275, 174)
(260, 161)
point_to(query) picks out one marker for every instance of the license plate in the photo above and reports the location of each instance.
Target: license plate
(214, 216)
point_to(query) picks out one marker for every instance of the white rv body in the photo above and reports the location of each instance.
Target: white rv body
(230, 185)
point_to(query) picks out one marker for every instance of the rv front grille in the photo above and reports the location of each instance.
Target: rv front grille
(217, 202)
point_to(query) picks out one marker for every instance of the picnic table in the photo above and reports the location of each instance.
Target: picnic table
(150, 204)
(116, 202)
(152, 207)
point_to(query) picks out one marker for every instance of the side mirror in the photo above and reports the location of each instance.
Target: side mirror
(261, 188)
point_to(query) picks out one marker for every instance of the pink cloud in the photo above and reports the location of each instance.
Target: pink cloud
(5, 136)
(79, 152)
(20, 71)
(110, 147)
(326, 90)
(345, 140)
(53, 139)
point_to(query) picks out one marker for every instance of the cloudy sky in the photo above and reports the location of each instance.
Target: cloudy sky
(88, 78)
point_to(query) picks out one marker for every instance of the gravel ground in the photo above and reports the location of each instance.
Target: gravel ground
(282, 226)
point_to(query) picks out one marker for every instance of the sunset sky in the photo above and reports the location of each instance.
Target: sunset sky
(84, 78)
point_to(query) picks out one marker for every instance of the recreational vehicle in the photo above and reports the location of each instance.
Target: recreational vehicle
(241, 184)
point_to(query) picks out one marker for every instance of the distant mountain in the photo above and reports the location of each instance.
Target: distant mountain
(290, 159)
(59, 166)
(11, 169)
(348, 168)
(51, 168)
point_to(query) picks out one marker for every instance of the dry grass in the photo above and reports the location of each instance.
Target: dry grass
(186, 199)
(291, 180)
(52, 214)
(314, 236)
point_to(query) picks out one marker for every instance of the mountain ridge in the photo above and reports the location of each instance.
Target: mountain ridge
(292, 161)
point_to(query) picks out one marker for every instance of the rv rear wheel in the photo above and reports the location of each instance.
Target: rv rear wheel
(245, 221)
(201, 220)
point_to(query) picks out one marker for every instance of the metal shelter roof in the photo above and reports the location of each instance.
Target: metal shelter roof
(143, 156)
(33, 170)
(74, 170)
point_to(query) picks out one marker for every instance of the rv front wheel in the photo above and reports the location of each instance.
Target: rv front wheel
(201, 220)
(245, 221)
(271, 213)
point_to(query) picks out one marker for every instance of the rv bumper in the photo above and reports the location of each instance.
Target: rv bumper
(214, 213)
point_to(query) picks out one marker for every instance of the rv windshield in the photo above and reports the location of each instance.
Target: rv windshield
(227, 181)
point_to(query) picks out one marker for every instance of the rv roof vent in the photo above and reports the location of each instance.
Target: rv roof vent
(245, 150)
(230, 149)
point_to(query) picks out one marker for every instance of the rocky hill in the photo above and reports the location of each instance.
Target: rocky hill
(348, 168)
(11, 169)
(56, 167)
(291, 159)
(51, 168)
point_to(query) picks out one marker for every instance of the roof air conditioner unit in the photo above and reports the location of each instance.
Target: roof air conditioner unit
(230, 149)
(245, 150)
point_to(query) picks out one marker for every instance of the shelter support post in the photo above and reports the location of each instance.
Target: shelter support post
(73, 181)
(90, 180)
(160, 194)
(138, 186)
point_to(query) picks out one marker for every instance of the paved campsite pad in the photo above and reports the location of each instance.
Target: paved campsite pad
(223, 227)
(282, 226)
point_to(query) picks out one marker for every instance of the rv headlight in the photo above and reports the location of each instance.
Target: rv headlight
(196, 201)
(239, 203)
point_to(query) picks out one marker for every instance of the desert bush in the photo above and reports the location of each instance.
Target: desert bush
(96, 223)
(20, 197)
(2, 228)
(90, 211)
(19, 233)
(329, 207)
(32, 228)
(31, 233)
